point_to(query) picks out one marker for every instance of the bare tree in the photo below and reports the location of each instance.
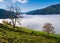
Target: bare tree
(48, 28)
(14, 13)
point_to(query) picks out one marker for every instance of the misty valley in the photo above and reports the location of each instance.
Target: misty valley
(36, 22)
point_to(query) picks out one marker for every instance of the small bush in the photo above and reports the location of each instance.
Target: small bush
(6, 22)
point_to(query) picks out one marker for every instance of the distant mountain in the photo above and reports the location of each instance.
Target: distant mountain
(53, 9)
(6, 14)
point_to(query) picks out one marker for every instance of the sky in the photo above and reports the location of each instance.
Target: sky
(28, 5)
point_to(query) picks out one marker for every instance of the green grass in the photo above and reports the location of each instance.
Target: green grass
(8, 34)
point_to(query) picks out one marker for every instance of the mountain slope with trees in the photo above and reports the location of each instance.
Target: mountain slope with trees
(53, 9)
(6, 14)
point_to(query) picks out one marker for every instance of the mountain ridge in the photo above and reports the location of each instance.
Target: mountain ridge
(6, 14)
(52, 9)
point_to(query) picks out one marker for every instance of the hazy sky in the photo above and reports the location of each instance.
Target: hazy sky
(28, 5)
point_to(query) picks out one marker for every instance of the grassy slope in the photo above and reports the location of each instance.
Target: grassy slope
(23, 35)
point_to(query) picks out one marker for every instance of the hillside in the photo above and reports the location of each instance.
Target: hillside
(53, 9)
(6, 14)
(8, 34)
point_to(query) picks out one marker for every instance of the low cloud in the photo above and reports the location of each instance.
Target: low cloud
(1, 0)
(21, 1)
